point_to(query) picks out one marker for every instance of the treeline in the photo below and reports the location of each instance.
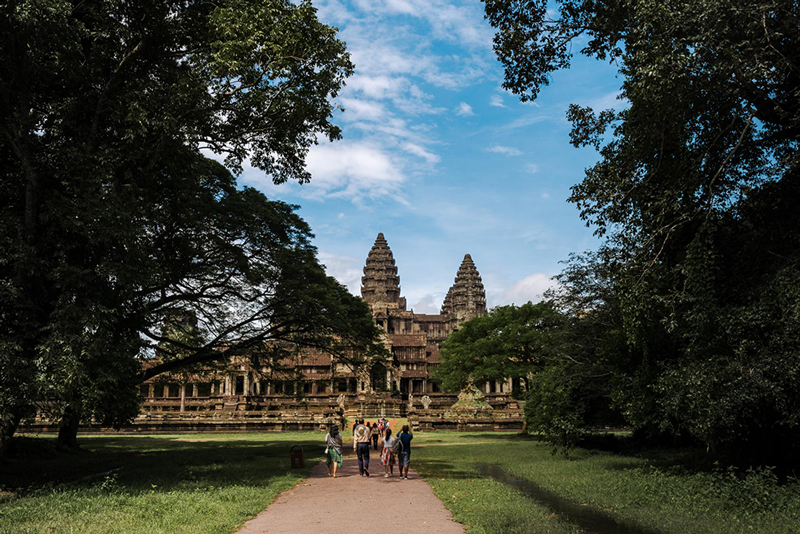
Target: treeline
(686, 322)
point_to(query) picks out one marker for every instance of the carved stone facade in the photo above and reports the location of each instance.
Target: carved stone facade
(413, 338)
(241, 397)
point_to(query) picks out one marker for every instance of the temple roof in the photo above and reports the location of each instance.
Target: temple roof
(447, 305)
(380, 283)
(467, 296)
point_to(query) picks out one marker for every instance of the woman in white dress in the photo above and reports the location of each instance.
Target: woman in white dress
(387, 454)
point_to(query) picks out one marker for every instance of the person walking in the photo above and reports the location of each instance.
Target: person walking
(333, 440)
(362, 436)
(405, 437)
(375, 436)
(387, 454)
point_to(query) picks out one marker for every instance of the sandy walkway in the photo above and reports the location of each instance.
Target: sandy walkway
(320, 503)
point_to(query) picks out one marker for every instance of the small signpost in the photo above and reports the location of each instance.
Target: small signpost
(296, 456)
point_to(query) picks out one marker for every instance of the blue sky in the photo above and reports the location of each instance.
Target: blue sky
(441, 160)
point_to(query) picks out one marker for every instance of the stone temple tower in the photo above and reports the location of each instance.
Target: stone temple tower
(380, 285)
(447, 305)
(467, 297)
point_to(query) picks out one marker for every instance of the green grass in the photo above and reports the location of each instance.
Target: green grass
(159, 484)
(664, 499)
(212, 483)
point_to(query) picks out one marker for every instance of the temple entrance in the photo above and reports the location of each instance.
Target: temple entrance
(239, 388)
(377, 377)
(404, 386)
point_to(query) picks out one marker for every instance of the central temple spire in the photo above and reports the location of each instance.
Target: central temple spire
(380, 283)
(467, 297)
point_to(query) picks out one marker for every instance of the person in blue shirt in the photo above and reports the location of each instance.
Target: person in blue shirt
(405, 436)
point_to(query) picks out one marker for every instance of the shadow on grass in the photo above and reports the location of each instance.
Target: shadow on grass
(147, 463)
(586, 518)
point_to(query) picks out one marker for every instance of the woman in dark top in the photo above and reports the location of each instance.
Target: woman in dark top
(375, 436)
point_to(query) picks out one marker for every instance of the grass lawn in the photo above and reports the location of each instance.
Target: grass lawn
(492, 482)
(642, 494)
(209, 483)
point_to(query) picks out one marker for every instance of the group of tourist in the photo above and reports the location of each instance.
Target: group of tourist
(393, 450)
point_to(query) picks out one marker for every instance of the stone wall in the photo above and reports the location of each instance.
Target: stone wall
(278, 413)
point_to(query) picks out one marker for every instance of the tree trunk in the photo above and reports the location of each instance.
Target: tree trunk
(68, 432)
(7, 429)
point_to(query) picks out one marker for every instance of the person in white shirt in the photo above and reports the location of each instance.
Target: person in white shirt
(387, 454)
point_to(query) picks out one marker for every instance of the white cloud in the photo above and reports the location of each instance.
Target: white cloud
(417, 150)
(356, 109)
(496, 101)
(608, 101)
(525, 121)
(464, 110)
(531, 288)
(506, 150)
(378, 87)
(532, 168)
(346, 269)
(427, 304)
(462, 24)
(353, 170)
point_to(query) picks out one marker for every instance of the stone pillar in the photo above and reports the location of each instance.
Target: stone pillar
(258, 387)
(389, 378)
(151, 391)
(424, 385)
(195, 392)
(183, 397)
(247, 383)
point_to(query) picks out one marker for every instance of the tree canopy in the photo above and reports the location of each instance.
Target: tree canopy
(112, 216)
(509, 343)
(692, 192)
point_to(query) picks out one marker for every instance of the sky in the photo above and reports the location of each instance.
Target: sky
(443, 161)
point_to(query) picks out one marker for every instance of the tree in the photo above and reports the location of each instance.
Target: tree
(691, 189)
(106, 108)
(511, 342)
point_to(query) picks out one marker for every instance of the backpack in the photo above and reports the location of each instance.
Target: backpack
(397, 447)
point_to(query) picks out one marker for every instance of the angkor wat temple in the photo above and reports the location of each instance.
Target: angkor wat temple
(238, 397)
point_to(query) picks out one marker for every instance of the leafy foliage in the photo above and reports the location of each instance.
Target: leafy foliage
(692, 192)
(508, 343)
(112, 218)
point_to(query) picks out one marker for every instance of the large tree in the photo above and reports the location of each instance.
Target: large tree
(110, 216)
(693, 188)
(510, 343)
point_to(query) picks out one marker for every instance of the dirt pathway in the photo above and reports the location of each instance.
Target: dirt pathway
(320, 504)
